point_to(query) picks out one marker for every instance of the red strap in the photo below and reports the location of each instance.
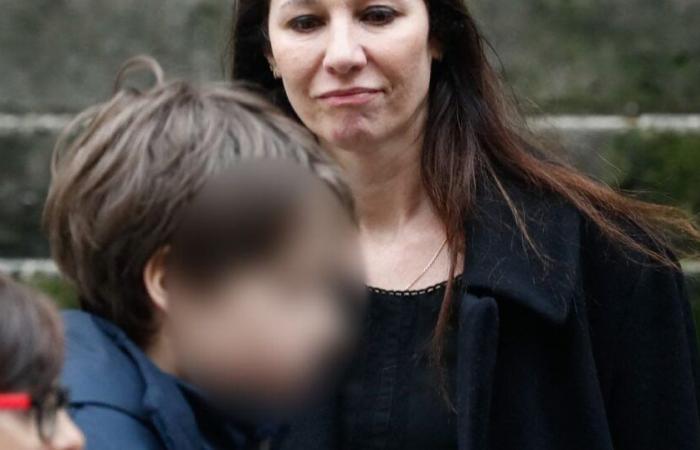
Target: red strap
(19, 402)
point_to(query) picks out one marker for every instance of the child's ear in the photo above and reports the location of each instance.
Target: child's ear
(154, 278)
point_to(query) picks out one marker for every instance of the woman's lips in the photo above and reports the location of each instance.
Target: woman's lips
(350, 97)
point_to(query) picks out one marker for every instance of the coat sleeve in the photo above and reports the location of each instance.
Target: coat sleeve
(109, 429)
(653, 397)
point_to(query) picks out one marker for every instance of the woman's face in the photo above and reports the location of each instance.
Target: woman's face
(356, 72)
(18, 431)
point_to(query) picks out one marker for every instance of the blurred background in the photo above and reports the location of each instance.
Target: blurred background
(616, 83)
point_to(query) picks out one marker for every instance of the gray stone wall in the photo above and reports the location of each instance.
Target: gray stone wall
(561, 56)
(61, 55)
(596, 56)
(565, 55)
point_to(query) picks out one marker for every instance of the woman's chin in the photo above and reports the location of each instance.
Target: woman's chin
(351, 138)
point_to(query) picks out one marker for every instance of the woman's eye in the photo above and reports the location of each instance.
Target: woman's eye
(379, 15)
(305, 24)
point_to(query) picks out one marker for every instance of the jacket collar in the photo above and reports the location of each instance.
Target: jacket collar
(500, 262)
(166, 405)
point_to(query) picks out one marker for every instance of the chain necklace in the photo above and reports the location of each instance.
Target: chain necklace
(430, 264)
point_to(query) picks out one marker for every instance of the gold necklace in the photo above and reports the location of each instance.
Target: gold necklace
(430, 264)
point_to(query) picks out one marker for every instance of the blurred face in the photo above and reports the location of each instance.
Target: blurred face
(19, 431)
(266, 332)
(356, 72)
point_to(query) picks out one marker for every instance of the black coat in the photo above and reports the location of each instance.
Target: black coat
(588, 346)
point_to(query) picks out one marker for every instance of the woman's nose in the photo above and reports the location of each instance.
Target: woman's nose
(344, 54)
(67, 436)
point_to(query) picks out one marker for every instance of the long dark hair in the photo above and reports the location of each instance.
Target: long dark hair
(475, 136)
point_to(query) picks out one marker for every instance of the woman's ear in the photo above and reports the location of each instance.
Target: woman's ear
(154, 278)
(273, 65)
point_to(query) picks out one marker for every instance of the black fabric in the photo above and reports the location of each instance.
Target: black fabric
(392, 398)
(580, 345)
(221, 430)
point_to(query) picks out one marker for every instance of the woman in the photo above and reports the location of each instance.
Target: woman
(32, 406)
(516, 304)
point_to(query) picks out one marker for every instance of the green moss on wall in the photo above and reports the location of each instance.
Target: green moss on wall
(55, 287)
(664, 168)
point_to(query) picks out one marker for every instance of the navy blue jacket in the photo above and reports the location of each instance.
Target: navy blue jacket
(121, 400)
(585, 347)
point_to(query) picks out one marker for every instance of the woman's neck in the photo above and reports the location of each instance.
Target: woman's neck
(387, 186)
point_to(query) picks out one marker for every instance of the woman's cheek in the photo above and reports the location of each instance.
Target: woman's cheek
(303, 104)
(297, 59)
(403, 58)
(297, 77)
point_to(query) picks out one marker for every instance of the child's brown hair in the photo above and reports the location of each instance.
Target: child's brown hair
(125, 171)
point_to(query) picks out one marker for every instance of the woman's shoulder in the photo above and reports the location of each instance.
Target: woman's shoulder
(628, 296)
(554, 237)
(549, 219)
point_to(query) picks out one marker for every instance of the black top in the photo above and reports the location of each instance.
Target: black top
(582, 344)
(392, 399)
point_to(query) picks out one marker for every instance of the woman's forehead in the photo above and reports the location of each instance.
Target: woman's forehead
(290, 4)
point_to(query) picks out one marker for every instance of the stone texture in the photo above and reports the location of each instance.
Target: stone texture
(24, 175)
(60, 55)
(564, 55)
(625, 56)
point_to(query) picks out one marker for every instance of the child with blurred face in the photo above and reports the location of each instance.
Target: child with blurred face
(213, 251)
(273, 296)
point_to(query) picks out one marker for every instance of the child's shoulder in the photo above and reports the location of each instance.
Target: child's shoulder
(98, 368)
(119, 398)
(106, 428)
(105, 385)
